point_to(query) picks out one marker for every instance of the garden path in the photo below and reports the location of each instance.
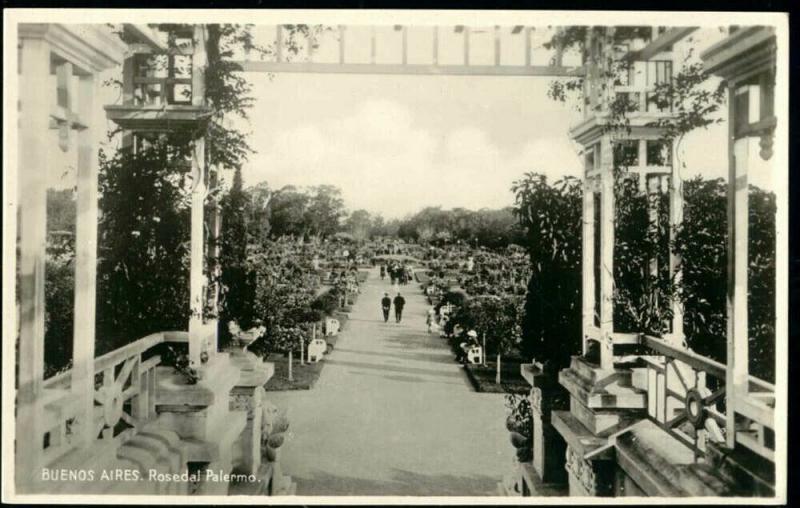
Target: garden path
(393, 414)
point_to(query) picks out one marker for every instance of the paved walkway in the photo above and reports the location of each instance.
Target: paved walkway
(393, 414)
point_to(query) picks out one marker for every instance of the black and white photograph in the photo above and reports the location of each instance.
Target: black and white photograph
(395, 256)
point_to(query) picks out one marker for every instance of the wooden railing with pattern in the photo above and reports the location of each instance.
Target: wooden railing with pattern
(124, 397)
(686, 398)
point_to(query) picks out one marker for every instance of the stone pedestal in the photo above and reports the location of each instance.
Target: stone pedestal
(545, 474)
(548, 445)
(602, 403)
(248, 395)
(588, 478)
(200, 414)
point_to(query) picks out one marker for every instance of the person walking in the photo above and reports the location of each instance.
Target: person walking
(386, 305)
(399, 303)
(430, 319)
(383, 272)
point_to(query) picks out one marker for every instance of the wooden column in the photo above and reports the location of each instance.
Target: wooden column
(436, 45)
(527, 32)
(606, 255)
(196, 278)
(216, 230)
(466, 45)
(83, 342)
(128, 90)
(35, 98)
(736, 373)
(587, 261)
(279, 43)
(676, 219)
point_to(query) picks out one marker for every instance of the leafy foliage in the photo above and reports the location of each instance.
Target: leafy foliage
(237, 282)
(701, 242)
(551, 215)
(143, 245)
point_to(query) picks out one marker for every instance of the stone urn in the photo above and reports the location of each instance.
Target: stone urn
(274, 433)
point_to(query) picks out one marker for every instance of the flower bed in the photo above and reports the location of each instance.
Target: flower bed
(304, 376)
(483, 378)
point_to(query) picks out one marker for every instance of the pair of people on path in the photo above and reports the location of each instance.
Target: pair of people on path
(386, 305)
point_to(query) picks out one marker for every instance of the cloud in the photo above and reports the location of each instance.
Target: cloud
(386, 163)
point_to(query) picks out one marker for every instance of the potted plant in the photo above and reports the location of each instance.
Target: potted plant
(519, 423)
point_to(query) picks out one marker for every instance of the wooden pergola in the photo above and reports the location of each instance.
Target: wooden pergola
(746, 59)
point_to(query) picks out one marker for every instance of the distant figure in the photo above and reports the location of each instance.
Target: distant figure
(431, 318)
(386, 304)
(399, 303)
(383, 272)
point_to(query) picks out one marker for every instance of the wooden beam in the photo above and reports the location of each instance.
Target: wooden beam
(34, 96)
(527, 46)
(405, 44)
(83, 341)
(466, 45)
(661, 43)
(436, 45)
(279, 43)
(410, 69)
(341, 43)
(372, 46)
(497, 45)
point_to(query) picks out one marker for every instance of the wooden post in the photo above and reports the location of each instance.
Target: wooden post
(216, 230)
(196, 332)
(108, 382)
(736, 373)
(607, 257)
(372, 47)
(405, 44)
(466, 45)
(497, 375)
(527, 32)
(587, 262)
(676, 219)
(302, 353)
(653, 185)
(341, 44)
(291, 377)
(496, 45)
(83, 341)
(436, 45)
(483, 351)
(279, 43)
(32, 168)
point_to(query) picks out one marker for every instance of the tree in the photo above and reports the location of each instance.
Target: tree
(325, 210)
(287, 212)
(359, 224)
(238, 288)
(497, 319)
(552, 218)
(258, 221)
(143, 263)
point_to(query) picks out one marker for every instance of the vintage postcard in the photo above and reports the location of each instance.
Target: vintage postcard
(404, 257)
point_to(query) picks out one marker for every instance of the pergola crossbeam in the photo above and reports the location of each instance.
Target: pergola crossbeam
(411, 69)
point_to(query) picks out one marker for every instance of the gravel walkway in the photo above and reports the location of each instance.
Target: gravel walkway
(392, 414)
